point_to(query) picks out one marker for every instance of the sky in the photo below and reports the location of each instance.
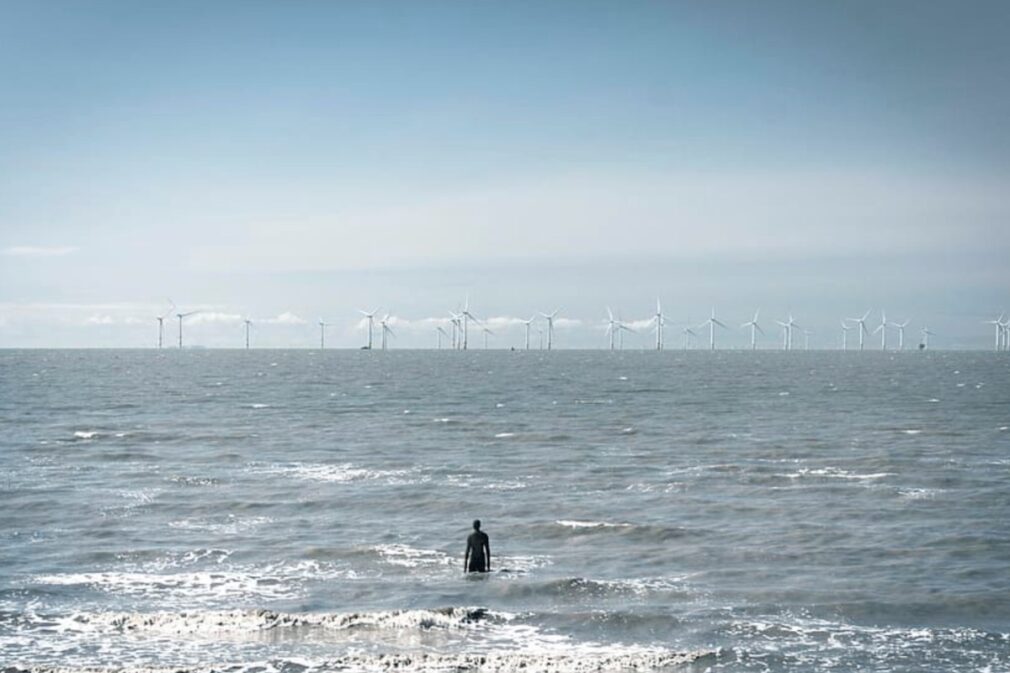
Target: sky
(290, 162)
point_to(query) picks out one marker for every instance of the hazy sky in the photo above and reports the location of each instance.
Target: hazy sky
(295, 160)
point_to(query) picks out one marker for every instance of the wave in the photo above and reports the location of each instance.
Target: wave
(567, 528)
(341, 473)
(492, 662)
(237, 622)
(582, 587)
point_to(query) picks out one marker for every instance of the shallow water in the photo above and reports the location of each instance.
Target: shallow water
(306, 510)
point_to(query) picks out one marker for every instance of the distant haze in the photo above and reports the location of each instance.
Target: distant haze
(291, 162)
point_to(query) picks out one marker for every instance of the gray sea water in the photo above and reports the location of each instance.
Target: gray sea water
(304, 511)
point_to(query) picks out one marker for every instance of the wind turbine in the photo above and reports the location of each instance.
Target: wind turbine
(901, 333)
(998, 322)
(787, 336)
(845, 335)
(806, 339)
(688, 335)
(454, 318)
(925, 337)
(622, 328)
(322, 334)
(467, 317)
(386, 329)
(486, 331)
(612, 327)
(180, 316)
(528, 323)
(712, 322)
(550, 327)
(371, 319)
(882, 328)
(540, 332)
(660, 319)
(441, 333)
(248, 324)
(754, 329)
(161, 323)
(1006, 334)
(861, 325)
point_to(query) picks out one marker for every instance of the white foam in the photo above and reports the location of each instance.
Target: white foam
(592, 524)
(912, 432)
(411, 557)
(231, 525)
(86, 434)
(199, 586)
(836, 473)
(919, 493)
(236, 622)
(343, 473)
(504, 435)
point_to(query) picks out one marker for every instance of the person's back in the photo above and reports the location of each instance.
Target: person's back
(478, 551)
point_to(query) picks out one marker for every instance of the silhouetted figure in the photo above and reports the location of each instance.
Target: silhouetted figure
(478, 551)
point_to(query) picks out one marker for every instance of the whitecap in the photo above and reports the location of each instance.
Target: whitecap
(504, 435)
(592, 524)
(86, 434)
(912, 432)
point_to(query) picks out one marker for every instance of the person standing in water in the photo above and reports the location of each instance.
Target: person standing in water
(478, 551)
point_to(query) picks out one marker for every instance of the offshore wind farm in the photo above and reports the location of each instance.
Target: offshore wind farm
(452, 331)
(580, 336)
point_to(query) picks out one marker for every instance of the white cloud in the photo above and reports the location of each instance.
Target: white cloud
(100, 320)
(567, 322)
(38, 251)
(209, 317)
(286, 318)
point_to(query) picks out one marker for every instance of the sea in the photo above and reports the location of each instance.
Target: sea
(305, 511)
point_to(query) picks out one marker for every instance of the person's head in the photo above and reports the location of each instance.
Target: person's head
(476, 524)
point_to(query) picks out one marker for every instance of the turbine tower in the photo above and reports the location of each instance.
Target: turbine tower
(386, 329)
(754, 329)
(659, 318)
(248, 324)
(550, 327)
(161, 323)
(882, 328)
(528, 323)
(371, 319)
(455, 318)
(180, 316)
(925, 337)
(688, 335)
(322, 334)
(861, 325)
(612, 327)
(845, 335)
(806, 339)
(901, 334)
(712, 322)
(787, 334)
(467, 317)
(998, 322)
(440, 333)
(486, 332)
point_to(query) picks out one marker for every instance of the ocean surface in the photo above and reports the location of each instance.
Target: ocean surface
(306, 511)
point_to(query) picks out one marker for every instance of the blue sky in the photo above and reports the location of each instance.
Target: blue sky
(307, 159)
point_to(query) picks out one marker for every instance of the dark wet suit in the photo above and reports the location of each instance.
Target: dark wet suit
(476, 545)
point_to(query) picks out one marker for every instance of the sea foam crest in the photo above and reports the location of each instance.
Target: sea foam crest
(492, 662)
(249, 621)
